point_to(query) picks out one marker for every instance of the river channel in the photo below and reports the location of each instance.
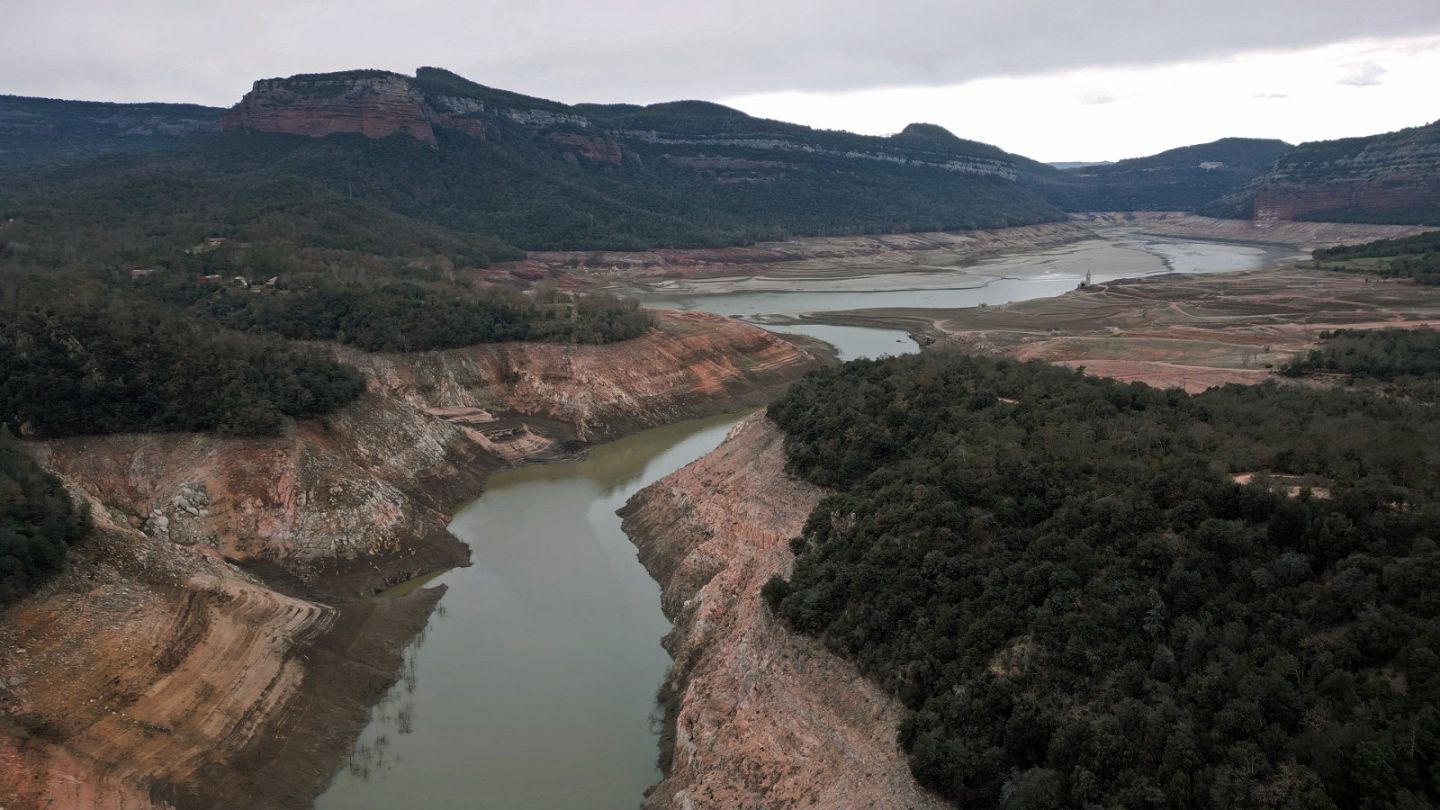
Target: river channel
(533, 685)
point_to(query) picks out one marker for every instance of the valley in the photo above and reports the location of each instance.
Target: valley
(446, 446)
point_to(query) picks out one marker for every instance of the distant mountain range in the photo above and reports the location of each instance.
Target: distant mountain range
(1176, 180)
(391, 164)
(42, 131)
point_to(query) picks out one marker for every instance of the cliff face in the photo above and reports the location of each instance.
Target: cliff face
(373, 104)
(1390, 178)
(207, 642)
(758, 716)
(360, 498)
(378, 104)
(151, 674)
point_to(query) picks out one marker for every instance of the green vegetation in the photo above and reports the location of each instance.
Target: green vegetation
(1183, 179)
(38, 522)
(86, 361)
(43, 131)
(1080, 607)
(389, 315)
(1413, 257)
(407, 317)
(497, 183)
(1397, 362)
(133, 210)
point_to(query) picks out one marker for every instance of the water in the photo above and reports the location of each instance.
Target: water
(852, 342)
(1016, 277)
(533, 686)
(540, 665)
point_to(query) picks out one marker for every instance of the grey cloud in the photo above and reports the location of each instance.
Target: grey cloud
(1272, 96)
(643, 50)
(1363, 74)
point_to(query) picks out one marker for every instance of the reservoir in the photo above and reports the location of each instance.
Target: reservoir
(1040, 273)
(533, 685)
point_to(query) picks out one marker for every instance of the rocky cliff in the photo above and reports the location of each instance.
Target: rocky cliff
(1391, 178)
(378, 104)
(370, 103)
(757, 716)
(208, 647)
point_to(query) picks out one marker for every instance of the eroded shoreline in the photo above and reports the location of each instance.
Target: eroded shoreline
(207, 684)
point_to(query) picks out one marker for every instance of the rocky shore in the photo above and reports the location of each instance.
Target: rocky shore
(756, 716)
(215, 643)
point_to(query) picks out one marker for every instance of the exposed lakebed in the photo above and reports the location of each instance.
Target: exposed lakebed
(533, 686)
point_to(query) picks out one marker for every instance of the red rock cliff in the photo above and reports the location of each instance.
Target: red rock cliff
(373, 105)
(1393, 177)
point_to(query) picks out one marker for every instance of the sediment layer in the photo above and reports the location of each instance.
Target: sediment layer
(209, 646)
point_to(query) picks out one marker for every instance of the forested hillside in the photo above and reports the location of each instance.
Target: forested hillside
(1401, 362)
(1097, 594)
(38, 522)
(1389, 178)
(97, 362)
(1413, 257)
(434, 164)
(44, 131)
(1181, 179)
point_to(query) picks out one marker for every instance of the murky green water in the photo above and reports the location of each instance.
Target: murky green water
(533, 686)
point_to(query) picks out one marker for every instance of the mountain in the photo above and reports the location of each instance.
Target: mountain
(1390, 178)
(39, 131)
(445, 160)
(1180, 179)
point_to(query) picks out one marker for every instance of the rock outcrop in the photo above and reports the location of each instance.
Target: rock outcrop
(375, 104)
(151, 675)
(208, 646)
(757, 716)
(1390, 178)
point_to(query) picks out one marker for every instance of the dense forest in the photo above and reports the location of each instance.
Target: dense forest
(1414, 257)
(388, 314)
(1096, 594)
(1382, 354)
(168, 350)
(38, 522)
(92, 362)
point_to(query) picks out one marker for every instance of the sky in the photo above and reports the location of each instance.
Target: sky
(1050, 79)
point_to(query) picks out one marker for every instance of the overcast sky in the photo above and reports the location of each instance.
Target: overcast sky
(1055, 80)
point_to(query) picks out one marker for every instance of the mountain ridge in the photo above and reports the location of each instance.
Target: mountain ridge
(1391, 177)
